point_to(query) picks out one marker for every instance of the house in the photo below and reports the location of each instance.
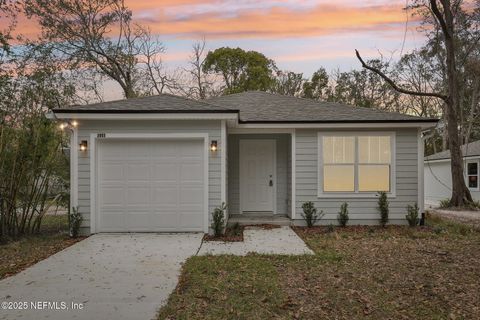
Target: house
(163, 163)
(438, 175)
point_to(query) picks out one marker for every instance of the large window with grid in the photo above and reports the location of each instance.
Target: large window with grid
(355, 163)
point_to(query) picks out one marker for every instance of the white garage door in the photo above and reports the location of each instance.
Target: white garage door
(150, 185)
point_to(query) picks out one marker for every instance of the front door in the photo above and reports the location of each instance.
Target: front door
(257, 175)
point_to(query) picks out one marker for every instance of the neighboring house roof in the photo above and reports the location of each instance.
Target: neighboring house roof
(468, 150)
(252, 107)
(263, 107)
(163, 103)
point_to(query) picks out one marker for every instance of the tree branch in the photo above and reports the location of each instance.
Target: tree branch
(394, 85)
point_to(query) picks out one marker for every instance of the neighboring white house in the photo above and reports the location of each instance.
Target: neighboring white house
(438, 177)
(164, 163)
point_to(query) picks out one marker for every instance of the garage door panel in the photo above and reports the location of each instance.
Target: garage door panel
(150, 185)
(138, 171)
(165, 171)
(111, 171)
(165, 196)
(191, 196)
(111, 196)
(191, 172)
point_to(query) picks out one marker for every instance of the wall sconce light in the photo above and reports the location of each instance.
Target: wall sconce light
(213, 146)
(83, 145)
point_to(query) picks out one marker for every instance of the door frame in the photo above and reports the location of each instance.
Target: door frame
(274, 191)
(93, 159)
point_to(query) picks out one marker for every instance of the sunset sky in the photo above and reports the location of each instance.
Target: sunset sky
(299, 35)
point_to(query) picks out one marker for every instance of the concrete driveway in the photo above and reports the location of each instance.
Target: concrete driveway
(113, 276)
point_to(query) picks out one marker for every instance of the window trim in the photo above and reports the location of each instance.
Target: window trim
(356, 193)
(467, 175)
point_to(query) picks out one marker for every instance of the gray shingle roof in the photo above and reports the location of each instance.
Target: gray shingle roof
(257, 106)
(468, 150)
(158, 103)
(252, 106)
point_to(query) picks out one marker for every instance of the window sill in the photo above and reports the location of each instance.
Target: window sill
(391, 195)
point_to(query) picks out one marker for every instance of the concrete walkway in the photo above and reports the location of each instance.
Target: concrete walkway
(257, 240)
(123, 276)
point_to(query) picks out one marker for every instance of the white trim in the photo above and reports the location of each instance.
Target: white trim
(93, 183)
(148, 116)
(448, 159)
(356, 193)
(74, 168)
(467, 175)
(223, 165)
(160, 136)
(260, 130)
(274, 170)
(293, 173)
(365, 125)
(421, 183)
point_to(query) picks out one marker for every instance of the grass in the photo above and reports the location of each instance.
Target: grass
(395, 272)
(17, 255)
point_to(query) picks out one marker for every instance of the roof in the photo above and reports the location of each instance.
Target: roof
(263, 107)
(468, 150)
(163, 103)
(252, 107)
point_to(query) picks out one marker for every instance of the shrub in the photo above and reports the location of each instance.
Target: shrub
(412, 215)
(310, 214)
(330, 228)
(236, 229)
(445, 203)
(343, 215)
(383, 208)
(75, 222)
(218, 221)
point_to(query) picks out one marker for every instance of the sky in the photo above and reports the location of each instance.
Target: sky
(299, 35)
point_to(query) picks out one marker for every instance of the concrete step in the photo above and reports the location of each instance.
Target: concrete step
(253, 219)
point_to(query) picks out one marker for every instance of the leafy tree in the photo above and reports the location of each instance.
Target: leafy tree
(240, 70)
(318, 86)
(288, 83)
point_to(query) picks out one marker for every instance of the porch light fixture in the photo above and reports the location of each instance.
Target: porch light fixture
(83, 145)
(213, 146)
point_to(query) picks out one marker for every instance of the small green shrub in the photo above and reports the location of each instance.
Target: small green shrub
(412, 215)
(236, 229)
(218, 220)
(310, 214)
(383, 208)
(343, 215)
(445, 203)
(75, 222)
(330, 228)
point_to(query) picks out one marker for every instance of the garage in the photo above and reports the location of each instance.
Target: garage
(150, 185)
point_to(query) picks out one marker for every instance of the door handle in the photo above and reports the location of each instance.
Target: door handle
(271, 181)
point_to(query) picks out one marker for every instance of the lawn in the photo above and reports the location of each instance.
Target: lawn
(18, 255)
(357, 272)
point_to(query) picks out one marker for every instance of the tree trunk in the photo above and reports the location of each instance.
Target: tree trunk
(460, 193)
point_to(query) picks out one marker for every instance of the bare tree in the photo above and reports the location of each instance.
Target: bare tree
(444, 16)
(92, 34)
(198, 84)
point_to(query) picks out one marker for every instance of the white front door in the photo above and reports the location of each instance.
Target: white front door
(257, 175)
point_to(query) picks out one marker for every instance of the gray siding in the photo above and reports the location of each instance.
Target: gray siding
(213, 128)
(283, 164)
(362, 210)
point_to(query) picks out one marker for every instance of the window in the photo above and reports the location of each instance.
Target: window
(356, 163)
(472, 175)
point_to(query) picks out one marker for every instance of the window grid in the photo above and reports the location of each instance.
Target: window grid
(357, 164)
